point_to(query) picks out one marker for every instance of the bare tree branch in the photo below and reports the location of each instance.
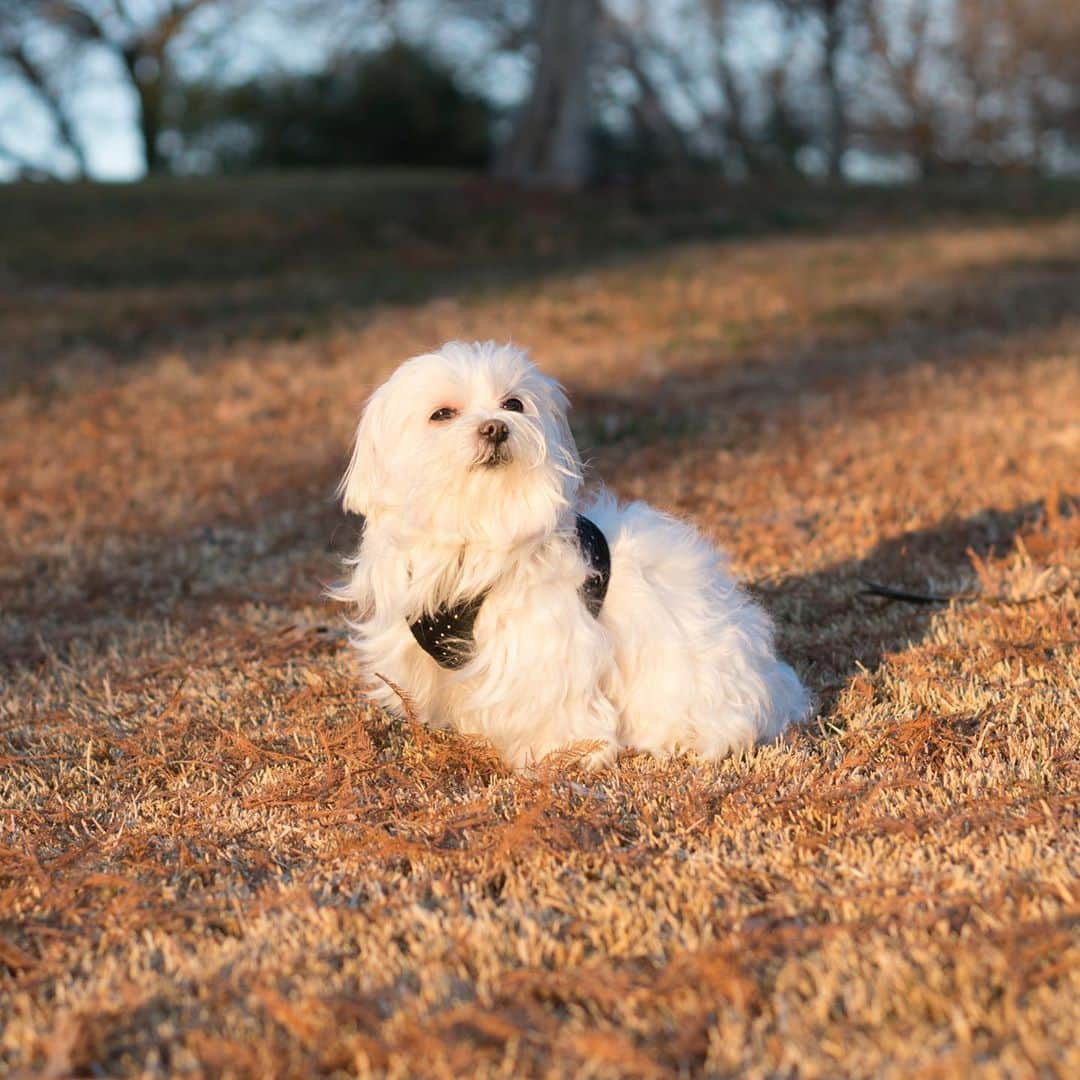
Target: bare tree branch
(139, 38)
(652, 108)
(13, 50)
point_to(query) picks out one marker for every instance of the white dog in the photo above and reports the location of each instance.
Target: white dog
(501, 610)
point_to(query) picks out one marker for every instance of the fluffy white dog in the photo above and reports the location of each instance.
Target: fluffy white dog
(503, 609)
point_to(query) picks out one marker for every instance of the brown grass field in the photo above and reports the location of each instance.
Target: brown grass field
(217, 860)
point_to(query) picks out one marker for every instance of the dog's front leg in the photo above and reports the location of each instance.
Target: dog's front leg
(544, 681)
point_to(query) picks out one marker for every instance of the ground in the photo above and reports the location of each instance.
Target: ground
(217, 859)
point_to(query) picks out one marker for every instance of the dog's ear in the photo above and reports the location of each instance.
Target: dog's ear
(362, 477)
(559, 405)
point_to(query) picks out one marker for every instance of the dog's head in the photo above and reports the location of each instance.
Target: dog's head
(470, 442)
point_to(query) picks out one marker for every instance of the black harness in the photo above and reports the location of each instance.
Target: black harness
(447, 634)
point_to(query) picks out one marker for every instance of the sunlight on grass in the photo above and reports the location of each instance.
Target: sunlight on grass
(217, 857)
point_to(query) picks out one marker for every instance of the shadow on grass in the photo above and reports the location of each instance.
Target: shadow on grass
(122, 272)
(832, 628)
(827, 625)
(662, 422)
(979, 313)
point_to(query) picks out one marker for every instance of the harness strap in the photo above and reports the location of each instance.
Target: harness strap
(446, 635)
(594, 547)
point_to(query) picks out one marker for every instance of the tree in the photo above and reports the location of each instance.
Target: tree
(751, 87)
(140, 37)
(36, 68)
(836, 19)
(398, 106)
(549, 143)
(958, 85)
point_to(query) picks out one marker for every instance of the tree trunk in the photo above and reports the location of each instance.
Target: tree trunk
(147, 75)
(549, 146)
(736, 129)
(37, 80)
(837, 136)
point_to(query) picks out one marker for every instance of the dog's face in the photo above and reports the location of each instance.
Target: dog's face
(470, 442)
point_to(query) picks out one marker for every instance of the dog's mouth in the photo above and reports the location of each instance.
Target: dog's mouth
(493, 457)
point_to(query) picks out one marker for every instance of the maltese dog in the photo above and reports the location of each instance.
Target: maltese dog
(488, 600)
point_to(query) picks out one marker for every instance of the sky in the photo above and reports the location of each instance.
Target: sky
(104, 106)
(105, 115)
(105, 109)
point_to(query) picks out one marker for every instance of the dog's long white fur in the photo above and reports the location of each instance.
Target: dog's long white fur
(679, 657)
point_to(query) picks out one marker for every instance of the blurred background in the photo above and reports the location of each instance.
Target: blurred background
(549, 93)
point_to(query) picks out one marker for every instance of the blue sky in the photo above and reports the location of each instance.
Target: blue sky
(105, 109)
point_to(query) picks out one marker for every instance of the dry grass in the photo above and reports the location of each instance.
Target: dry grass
(216, 859)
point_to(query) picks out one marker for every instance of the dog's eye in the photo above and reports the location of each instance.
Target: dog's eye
(445, 413)
(513, 404)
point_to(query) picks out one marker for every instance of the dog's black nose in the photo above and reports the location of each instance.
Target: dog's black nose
(495, 431)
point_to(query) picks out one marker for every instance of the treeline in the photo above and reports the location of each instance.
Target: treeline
(557, 92)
